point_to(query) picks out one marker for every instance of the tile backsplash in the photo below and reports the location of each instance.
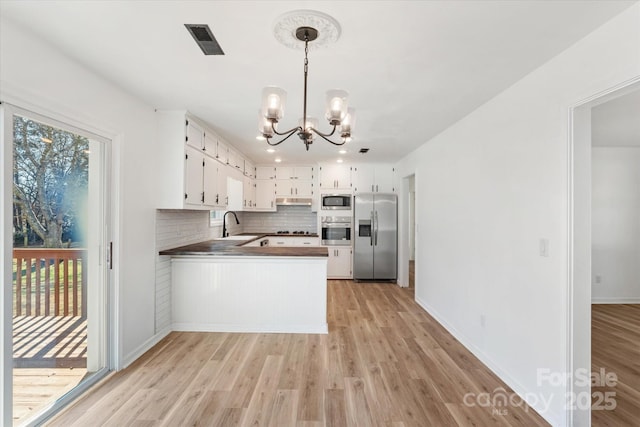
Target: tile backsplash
(290, 218)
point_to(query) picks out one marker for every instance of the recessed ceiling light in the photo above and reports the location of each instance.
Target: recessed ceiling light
(339, 160)
(278, 160)
(342, 151)
(271, 150)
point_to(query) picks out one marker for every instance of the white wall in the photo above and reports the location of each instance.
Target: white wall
(488, 189)
(36, 76)
(616, 224)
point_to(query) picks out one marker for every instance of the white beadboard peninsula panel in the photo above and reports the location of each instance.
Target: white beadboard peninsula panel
(291, 218)
(177, 228)
(249, 294)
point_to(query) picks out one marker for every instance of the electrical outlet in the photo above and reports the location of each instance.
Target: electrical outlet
(598, 279)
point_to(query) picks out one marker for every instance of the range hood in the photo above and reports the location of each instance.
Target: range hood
(293, 201)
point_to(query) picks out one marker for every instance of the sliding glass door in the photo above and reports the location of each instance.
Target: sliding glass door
(60, 262)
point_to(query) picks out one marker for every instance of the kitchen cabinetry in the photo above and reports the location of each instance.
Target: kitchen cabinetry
(249, 194)
(201, 181)
(294, 172)
(294, 181)
(235, 160)
(194, 135)
(373, 178)
(265, 172)
(265, 195)
(335, 176)
(222, 152)
(294, 188)
(191, 178)
(293, 241)
(339, 262)
(249, 168)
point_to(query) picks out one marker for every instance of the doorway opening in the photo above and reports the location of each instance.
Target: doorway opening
(59, 273)
(582, 275)
(412, 231)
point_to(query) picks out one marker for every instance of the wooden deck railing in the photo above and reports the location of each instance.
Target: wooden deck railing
(49, 282)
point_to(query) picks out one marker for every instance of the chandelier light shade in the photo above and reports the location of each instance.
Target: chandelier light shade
(337, 110)
(273, 100)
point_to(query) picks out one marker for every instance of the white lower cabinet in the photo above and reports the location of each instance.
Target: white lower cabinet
(293, 241)
(339, 262)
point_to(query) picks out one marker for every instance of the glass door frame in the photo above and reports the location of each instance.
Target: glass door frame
(106, 305)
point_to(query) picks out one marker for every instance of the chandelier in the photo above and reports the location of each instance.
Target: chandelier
(338, 113)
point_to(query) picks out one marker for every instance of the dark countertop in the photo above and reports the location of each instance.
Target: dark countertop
(220, 247)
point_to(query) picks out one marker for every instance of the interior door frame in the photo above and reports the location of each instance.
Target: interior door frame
(112, 327)
(579, 244)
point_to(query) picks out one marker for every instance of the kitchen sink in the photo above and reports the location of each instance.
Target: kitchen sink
(243, 237)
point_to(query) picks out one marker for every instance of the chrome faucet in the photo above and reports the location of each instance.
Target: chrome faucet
(224, 222)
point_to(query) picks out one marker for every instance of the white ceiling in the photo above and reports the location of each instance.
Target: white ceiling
(616, 123)
(412, 68)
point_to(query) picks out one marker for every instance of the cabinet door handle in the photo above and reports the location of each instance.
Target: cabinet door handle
(291, 191)
(376, 188)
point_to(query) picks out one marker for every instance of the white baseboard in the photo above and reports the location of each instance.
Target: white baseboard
(615, 300)
(237, 328)
(554, 419)
(144, 347)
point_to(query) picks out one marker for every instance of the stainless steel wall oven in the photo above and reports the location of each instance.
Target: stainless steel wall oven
(336, 230)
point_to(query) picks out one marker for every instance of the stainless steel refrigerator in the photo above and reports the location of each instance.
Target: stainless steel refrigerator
(376, 236)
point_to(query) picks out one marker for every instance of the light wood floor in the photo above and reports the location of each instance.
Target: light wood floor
(615, 346)
(384, 362)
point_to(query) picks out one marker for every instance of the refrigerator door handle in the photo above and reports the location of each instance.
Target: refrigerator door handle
(375, 240)
(371, 230)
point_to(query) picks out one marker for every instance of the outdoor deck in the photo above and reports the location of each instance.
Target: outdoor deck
(49, 355)
(49, 342)
(49, 326)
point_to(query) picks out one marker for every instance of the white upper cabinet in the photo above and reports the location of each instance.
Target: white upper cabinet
(193, 176)
(222, 152)
(249, 168)
(265, 172)
(294, 181)
(214, 176)
(210, 145)
(294, 172)
(373, 178)
(249, 194)
(265, 195)
(335, 177)
(194, 135)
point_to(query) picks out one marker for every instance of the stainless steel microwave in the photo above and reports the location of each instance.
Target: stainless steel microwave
(336, 201)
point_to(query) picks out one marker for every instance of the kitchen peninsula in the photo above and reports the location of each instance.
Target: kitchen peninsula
(223, 285)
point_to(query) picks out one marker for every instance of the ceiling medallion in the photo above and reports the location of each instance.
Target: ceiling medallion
(286, 25)
(299, 27)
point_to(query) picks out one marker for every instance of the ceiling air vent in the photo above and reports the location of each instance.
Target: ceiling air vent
(204, 37)
(364, 150)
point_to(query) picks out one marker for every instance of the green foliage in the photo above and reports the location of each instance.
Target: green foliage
(50, 182)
